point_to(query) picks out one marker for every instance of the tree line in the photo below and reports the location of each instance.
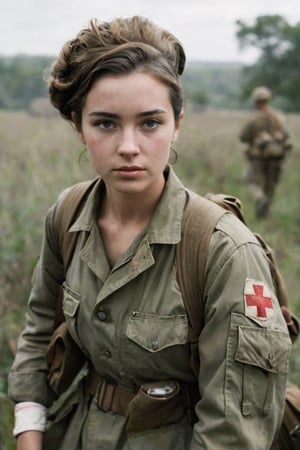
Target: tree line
(225, 85)
(278, 64)
(22, 79)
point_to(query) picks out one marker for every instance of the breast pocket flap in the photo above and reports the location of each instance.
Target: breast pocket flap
(71, 301)
(264, 348)
(155, 332)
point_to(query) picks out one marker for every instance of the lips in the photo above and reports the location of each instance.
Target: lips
(129, 169)
(129, 172)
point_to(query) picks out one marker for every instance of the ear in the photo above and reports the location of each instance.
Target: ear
(177, 126)
(78, 128)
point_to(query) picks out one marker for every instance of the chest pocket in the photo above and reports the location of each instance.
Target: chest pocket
(71, 303)
(258, 358)
(154, 332)
(262, 348)
(155, 341)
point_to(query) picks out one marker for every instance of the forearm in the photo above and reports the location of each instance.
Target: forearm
(30, 440)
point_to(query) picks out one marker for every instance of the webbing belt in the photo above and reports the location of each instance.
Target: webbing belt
(110, 397)
(115, 397)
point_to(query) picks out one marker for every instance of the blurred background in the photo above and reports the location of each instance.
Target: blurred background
(231, 47)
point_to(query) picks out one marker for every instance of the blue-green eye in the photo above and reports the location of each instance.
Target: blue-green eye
(151, 123)
(106, 124)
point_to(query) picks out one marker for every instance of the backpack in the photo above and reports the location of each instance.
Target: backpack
(266, 146)
(199, 220)
(271, 140)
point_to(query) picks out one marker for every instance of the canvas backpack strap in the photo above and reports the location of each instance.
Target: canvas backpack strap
(68, 207)
(64, 357)
(199, 220)
(228, 202)
(234, 205)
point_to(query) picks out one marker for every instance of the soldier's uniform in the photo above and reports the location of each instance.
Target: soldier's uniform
(131, 323)
(266, 135)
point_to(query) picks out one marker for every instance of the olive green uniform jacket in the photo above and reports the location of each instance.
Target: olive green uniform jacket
(266, 136)
(270, 121)
(131, 322)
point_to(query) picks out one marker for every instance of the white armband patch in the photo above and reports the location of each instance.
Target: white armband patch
(29, 416)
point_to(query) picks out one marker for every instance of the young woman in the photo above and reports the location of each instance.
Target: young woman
(118, 83)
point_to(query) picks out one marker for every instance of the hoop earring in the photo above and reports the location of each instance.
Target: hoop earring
(173, 156)
(83, 155)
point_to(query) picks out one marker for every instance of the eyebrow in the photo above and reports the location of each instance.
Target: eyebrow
(116, 116)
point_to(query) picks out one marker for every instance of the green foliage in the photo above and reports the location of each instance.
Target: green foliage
(7, 442)
(218, 83)
(198, 97)
(277, 67)
(21, 80)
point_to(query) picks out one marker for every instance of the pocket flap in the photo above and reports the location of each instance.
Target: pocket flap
(155, 332)
(71, 301)
(264, 348)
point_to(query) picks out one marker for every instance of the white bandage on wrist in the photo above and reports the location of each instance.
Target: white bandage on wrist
(29, 416)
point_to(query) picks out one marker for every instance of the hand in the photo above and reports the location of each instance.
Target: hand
(30, 440)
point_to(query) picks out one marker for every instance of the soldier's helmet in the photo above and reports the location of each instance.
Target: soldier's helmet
(261, 93)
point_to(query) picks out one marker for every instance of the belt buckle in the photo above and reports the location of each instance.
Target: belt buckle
(105, 396)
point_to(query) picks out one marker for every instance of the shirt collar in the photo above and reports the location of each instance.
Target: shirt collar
(165, 225)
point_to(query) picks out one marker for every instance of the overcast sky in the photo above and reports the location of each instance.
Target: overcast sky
(205, 27)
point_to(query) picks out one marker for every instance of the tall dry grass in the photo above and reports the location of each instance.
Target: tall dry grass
(41, 156)
(38, 158)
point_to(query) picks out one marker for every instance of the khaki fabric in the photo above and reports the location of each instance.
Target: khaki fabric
(269, 121)
(263, 176)
(130, 321)
(266, 136)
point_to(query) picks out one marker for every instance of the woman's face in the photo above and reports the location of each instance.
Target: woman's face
(128, 126)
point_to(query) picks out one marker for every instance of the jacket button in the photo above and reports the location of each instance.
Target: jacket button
(271, 360)
(154, 345)
(102, 315)
(107, 354)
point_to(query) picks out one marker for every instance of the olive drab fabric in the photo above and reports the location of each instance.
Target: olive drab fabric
(266, 135)
(131, 323)
(199, 221)
(268, 144)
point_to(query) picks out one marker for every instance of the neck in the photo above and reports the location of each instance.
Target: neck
(126, 208)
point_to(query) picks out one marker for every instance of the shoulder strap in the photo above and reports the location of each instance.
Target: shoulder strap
(68, 208)
(199, 220)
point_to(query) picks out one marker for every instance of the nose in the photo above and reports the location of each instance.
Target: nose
(128, 143)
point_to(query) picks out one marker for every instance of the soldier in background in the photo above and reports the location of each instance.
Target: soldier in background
(267, 138)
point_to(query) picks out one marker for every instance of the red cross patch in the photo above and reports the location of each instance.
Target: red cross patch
(258, 300)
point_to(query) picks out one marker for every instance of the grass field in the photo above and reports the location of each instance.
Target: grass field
(40, 156)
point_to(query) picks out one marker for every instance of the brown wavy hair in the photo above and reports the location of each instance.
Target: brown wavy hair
(121, 46)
